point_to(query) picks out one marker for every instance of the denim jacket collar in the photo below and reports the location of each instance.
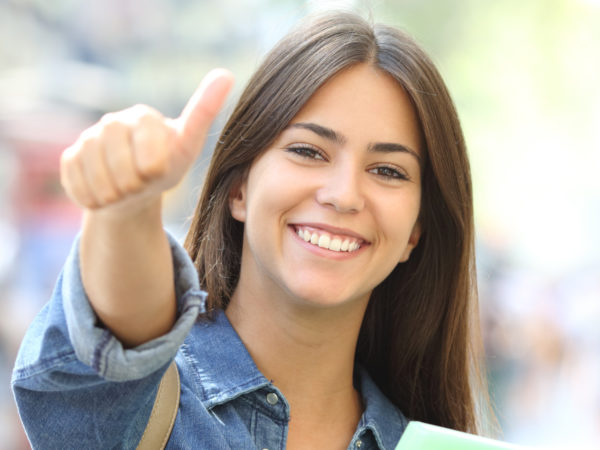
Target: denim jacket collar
(225, 367)
(380, 416)
(219, 350)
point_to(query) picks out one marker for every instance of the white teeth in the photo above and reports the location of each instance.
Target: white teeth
(324, 241)
(335, 244)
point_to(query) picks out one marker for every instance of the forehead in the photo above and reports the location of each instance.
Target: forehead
(365, 104)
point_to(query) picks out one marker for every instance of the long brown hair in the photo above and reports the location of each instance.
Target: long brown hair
(419, 339)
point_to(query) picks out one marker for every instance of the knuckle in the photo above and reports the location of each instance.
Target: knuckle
(122, 171)
(149, 127)
(131, 185)
(87, 145)
(152, 167)
(151, 154)
(113, 127)
(145, 113)
(148, 134)
(107, 195)
(89, 134)
(101, 184)
(116, 156)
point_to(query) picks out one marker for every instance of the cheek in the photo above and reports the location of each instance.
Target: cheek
(398, 218)
(275, 189)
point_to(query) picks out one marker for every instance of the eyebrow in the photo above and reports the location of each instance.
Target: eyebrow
(334, 136)
(322, 131)
(391, 147)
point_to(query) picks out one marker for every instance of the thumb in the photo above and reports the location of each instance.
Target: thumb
(201, 109)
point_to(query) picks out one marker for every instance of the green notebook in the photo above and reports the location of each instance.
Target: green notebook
(422, 436)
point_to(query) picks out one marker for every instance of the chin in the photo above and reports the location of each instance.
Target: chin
(318, 297)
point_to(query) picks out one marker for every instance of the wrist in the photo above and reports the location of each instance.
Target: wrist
(142, 212)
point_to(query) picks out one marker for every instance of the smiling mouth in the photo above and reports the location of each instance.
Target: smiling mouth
(329, 241)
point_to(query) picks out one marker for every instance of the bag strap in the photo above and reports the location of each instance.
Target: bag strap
(164, 411)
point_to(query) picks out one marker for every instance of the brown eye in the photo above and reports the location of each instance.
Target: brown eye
(305, 152)
(388, 172)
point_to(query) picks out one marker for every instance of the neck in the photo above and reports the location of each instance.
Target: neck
(308, 352)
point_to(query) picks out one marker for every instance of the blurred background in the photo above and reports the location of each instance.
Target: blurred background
(524, 76)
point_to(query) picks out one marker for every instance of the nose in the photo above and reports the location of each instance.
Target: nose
(341, 190)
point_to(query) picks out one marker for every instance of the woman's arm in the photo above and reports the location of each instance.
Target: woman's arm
(117, 171)
(73, 381)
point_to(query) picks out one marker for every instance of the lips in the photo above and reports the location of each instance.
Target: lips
(334, 241)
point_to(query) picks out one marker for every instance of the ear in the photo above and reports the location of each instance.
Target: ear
(237, 200)
(413, 240)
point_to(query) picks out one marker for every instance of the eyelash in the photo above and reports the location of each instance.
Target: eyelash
(309, 152)
(389, 173)
(306, 151)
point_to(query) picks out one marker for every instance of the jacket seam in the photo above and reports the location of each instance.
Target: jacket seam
(98, 352)
(45, 365)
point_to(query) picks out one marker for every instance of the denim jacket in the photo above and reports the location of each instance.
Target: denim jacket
(77, 387)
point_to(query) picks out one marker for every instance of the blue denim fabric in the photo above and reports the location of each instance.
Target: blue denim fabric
(77, 387)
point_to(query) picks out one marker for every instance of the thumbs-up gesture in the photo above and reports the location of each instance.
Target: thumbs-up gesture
(130, 157)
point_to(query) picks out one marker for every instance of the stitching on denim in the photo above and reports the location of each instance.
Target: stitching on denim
(226, 395)
(284, 430)
(44, 365)
(97, 357)
(260, 408)
(191, 361)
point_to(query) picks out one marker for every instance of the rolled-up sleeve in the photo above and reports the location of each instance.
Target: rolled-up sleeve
(75, 383)
(96, 347)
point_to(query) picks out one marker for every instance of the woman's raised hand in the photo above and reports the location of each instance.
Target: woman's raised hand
(117, 171)
(130, 157)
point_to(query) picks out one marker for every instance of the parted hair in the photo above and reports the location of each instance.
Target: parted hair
(420, 336)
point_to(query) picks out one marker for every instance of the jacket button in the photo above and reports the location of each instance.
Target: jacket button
(272, 398)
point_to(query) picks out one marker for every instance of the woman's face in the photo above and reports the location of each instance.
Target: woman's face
(332, 206)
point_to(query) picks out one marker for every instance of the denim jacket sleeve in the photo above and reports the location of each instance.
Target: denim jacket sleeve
(75, 384)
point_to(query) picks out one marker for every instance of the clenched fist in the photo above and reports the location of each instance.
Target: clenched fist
(130, 157)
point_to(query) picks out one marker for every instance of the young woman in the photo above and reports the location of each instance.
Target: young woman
(333, 243)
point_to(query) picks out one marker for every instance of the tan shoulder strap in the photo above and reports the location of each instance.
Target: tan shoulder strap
(163, 414)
